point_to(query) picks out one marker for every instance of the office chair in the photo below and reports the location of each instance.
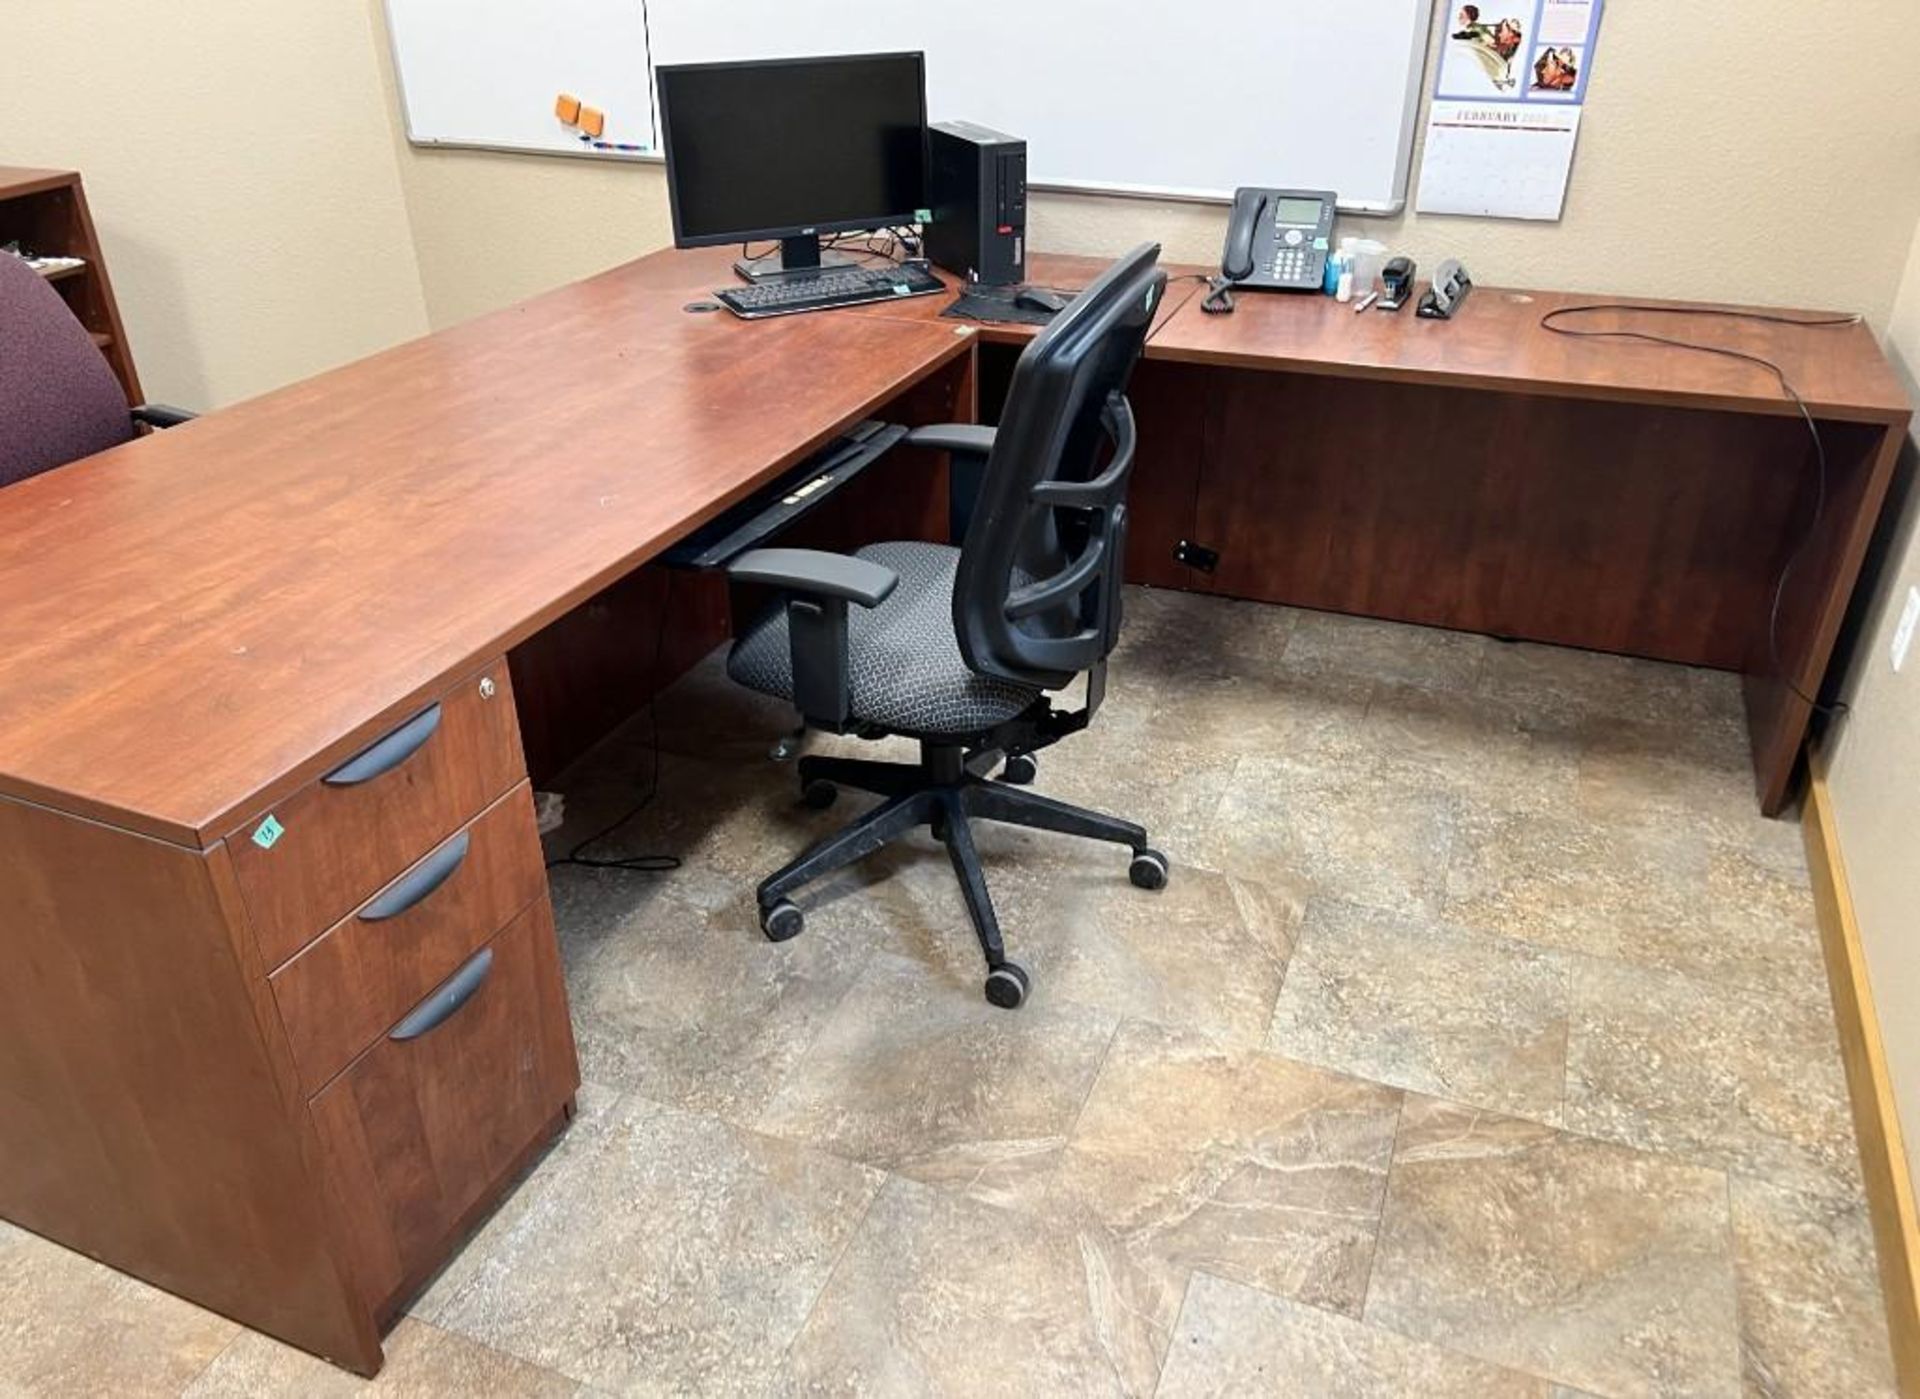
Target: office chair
(958, 648)
(59, 400)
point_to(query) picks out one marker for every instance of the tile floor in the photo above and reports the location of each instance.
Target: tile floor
(1480, 1046)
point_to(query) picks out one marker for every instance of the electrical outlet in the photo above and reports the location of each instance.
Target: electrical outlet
(1903, 634)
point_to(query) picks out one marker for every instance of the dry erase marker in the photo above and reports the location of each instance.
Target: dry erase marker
(1365, 302)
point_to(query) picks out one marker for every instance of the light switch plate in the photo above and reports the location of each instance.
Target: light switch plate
(1903, 634)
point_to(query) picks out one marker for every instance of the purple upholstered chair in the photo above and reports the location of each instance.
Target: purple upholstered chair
(58, 399)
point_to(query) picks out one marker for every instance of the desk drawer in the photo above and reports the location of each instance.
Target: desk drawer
(344, 990)
(424, 1124)
(351, 832)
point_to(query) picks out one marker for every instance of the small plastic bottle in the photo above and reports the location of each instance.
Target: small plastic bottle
(1339, 261)
(1336, 264)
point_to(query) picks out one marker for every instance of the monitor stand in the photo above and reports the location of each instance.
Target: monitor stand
(798, 257)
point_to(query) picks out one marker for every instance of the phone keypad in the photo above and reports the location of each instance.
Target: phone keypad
(1290, 264)
(1292, 257)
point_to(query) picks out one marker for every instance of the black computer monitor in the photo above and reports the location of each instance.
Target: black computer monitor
(793, 148)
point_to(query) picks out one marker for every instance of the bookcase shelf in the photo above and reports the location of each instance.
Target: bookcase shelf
(46, 211)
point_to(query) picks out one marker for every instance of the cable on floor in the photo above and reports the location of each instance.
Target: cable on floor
(635, 864)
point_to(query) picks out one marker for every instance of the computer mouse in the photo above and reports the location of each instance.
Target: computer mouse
(1040, 299)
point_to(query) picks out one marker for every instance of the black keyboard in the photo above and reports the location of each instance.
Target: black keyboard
(839, 286)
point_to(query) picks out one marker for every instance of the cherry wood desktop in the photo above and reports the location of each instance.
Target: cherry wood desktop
(216, 929)
(283, 1002)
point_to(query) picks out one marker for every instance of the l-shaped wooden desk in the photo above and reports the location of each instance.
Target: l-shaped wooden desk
(282, 1003)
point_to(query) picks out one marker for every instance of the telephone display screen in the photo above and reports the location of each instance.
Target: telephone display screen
(1304, 212)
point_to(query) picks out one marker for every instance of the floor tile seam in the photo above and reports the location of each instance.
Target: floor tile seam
(1802, 1003)
(839, 1258)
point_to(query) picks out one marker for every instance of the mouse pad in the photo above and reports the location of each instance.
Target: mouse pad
(994, 305)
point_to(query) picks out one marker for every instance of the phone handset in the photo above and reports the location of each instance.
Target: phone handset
(1249, 205)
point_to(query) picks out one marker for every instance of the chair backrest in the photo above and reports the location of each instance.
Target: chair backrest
(59, 400)
(1037, 595)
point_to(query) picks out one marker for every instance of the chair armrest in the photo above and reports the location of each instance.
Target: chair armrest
(819, 587)
(160, 415)
(967, 446)
(963, 439)
(816, 574)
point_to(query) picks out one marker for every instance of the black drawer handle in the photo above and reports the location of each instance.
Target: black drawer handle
(420, 881)
(391, 751)
(454, 992)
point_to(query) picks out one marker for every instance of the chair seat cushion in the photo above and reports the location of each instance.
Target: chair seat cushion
(905, 673)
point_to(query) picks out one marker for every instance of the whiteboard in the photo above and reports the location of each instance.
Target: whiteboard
(1187, 101)
(486, 72)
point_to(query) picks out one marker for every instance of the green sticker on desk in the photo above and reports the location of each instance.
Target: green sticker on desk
(268, 832)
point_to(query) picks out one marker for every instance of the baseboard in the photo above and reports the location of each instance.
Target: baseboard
(1883, 1155)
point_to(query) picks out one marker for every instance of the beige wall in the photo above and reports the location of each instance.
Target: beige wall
(239, 162)
(491, 229)
(494, 229)
(1700, 139)
(265, 217)
(1875, 774)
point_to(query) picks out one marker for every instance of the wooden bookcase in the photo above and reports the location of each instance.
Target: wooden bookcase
(46, 210)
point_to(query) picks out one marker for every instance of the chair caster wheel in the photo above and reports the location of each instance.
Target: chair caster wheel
(820, 794)
(1020, 770)
(1149, 869)
(783, 921)
(1007, 985)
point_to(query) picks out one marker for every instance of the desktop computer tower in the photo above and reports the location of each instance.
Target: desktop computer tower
(978, 192)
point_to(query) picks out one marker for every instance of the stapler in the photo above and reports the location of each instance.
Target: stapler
(1450, 287)
(1396, 282)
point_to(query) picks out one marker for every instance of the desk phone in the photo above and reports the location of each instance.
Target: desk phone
(1277, 239)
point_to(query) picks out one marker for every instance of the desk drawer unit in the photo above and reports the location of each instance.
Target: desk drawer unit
(318, 1058)
(427, 1123)
(325, 850)
(348, 987)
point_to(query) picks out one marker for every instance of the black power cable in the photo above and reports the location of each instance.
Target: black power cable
(1550, 322)
(863, 244)
(636, 864)
(886, 244)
